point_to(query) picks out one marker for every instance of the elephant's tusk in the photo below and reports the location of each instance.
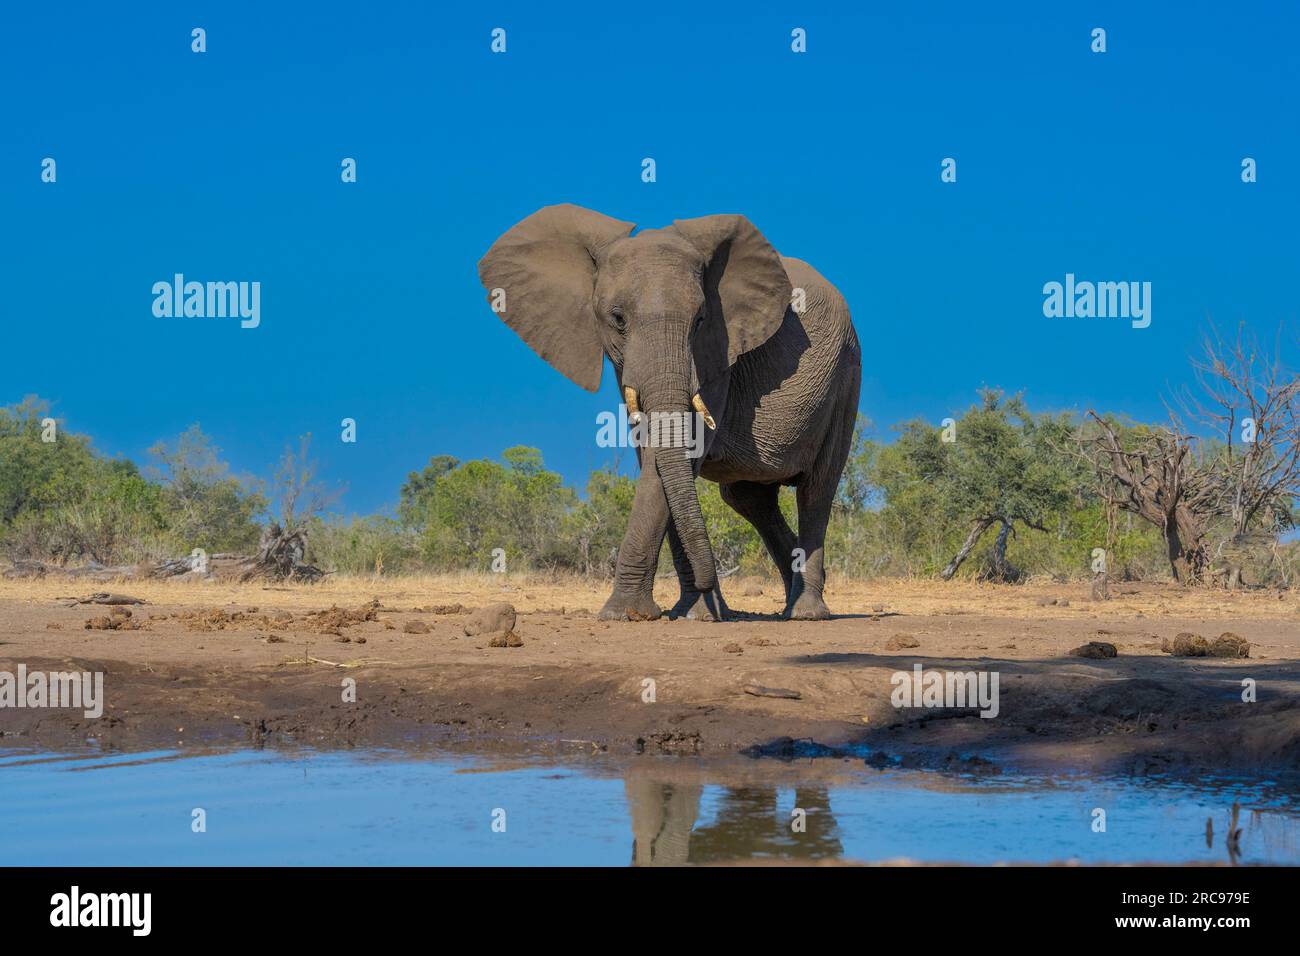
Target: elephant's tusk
(629, 399)
(703, 410)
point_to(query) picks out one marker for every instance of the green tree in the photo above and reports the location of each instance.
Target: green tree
(480, 506)
(915, 527)
(594, 528)
(36, 474)
(61, 501)
(1001, 470)
(207, 507)
(413, 503)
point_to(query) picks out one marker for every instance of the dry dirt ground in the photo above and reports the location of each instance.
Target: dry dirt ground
(218, 664)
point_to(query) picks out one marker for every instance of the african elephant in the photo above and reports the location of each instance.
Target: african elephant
(699, 320)
(747, 822)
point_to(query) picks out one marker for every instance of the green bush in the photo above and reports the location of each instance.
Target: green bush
(593, 529)
(61, 501)
(362, 545)
(205, 506)
(481, 506)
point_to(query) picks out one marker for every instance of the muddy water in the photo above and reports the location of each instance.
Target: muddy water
(263, 807)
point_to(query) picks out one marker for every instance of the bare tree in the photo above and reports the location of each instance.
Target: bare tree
(1154, 474)
(297, 488)
(1250, 402)
(300, 495)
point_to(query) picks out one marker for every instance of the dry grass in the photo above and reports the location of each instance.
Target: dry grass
(544, 592)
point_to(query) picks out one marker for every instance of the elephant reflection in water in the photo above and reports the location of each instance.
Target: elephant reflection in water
(748, 823)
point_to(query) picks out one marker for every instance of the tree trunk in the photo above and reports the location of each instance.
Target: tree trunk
(1002, 569)
(1184, 540)
(978, 529)
(279, 557)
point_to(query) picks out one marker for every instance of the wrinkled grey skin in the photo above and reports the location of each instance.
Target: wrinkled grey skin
(702, 306)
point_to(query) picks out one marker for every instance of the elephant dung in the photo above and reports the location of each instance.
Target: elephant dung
(491, 619)
(506, 639)
(113, 622)
(1228, 644)
(1097, 650)
(441, 609)
(1186, 644)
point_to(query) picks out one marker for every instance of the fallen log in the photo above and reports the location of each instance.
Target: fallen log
(36, 570)
(105, 597)
(26, 569)
(784, 693)
(279, 557)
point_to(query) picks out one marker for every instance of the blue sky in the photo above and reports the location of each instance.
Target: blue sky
(225, 166)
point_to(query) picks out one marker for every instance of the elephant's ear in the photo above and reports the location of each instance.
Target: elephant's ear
(540, 276)
(743, 279)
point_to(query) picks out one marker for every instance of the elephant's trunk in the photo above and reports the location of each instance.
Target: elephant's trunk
(666, 394)
(678, 478)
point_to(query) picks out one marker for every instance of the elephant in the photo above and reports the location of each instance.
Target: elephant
(704, 320)
(746, 823)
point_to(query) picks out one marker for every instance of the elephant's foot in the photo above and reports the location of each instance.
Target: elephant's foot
(701, 606)
(808, 607)
(625, 606)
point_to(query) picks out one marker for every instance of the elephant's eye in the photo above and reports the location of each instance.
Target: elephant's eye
(618, 319)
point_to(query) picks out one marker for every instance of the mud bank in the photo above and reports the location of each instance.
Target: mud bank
(202, 665)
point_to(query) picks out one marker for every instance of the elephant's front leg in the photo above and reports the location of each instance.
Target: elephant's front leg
(638, 556)
(693, 604)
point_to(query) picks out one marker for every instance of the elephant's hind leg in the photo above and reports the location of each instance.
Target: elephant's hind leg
(815, 495)
(759, 504)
